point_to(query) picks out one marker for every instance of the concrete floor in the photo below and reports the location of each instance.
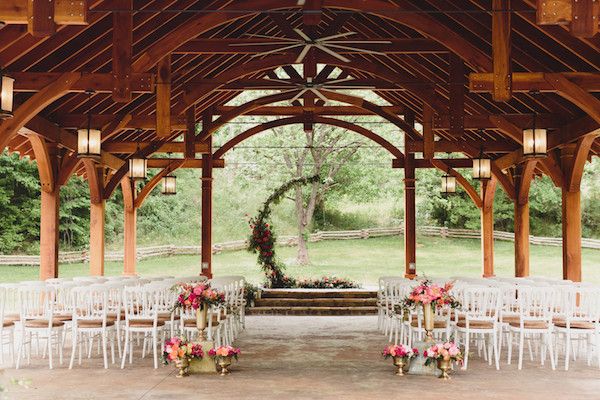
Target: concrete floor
(305, 358)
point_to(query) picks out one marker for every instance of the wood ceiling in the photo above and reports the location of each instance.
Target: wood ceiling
(184, 59)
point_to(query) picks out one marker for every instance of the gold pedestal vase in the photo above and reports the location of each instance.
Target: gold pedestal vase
(183, 366)
(444, 366)
(428, 322)
(202, 321)
(400, 363)
(224, 363)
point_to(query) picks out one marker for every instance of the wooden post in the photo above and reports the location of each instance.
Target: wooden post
(130, 240)
(521, 239)
(487, 227)
(571, 234)
(501, 46)
(410, 231)
(97, 238)
(207, 178)
(49, 229)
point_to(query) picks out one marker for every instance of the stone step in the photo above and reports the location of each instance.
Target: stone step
(315, 302)
(312, 310)
(318, 293)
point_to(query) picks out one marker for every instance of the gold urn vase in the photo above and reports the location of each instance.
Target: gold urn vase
(224, 363)
(202, 321)
(400, 363)
(183, 366)
(444, 366)
(428, 321)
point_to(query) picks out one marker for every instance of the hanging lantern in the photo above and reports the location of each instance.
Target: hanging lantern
(448, 184)
(535, 142)
(6, 96)
(138, 168)
(482, 167)
(169, 185)
(88, 141)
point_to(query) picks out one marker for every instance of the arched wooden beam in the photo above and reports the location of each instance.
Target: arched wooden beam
(550, 168)
(128, 190)
(143, 194)
(573, 180)
(36, 103)
(45, 165)
(441, 165)
(198, 92)
(420, 22)
(94, 180)
(256, 103)
(68, 166)
(524, 182)
(575, 94)
(298, 120)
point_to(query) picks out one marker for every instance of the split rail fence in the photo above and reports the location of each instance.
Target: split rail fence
(172, 250)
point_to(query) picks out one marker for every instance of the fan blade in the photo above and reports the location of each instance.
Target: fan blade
(266, 53)
(363, 51)
(339, 35)
(361, 41)
(271, 37)
(265, 43)
(333, 53)
(346, 79)
(349, 87)
(279, 81)
(298, 95)
(302, 34)
(319, 95)
(303, 53)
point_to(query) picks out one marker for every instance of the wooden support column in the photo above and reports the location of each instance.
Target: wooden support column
(163, 97)
(129, 227)
(410, 230)
(121, 51)
(571, 216)
(40, 18)
(501, 44)
(428, 137)
(207, 179)
(523, 176)
(95, 177)
(488, 190)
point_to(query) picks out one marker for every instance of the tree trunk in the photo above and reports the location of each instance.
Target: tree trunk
(302, 257)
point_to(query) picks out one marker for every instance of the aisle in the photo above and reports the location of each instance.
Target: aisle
(306, 358)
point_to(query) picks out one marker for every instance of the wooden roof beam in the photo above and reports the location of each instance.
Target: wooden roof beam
(535, 81)
(40, 18)
(457, 96)
(501, 46)
(582, 15)
(121, 50)
(169, 147)
(65, 12)
(163, 98)
(99, 82)
(229, 46)
(193, 163)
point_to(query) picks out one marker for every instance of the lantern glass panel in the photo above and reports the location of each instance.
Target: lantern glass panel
(138, 168)
(535, 142)
(88, 142)
(448, 184)
(482, 168)
(6, 95)
(169, 185)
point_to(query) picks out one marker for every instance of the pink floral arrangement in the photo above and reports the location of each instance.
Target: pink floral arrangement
(224, 351)
(401, 350)
(443, 351)
(194, 296)
(178, 348)
(428, 292)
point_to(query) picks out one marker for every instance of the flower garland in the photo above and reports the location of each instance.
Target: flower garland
(262, 239)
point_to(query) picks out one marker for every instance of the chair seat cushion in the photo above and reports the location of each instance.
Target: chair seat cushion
(530, 324)
(145, 323)
(94, 323)
(6, 324)
(12, 317)
(510, 318)
(42, 323)
(575, 324)
(436, 324)
(475, 324)
(167, 316)
(63, 317)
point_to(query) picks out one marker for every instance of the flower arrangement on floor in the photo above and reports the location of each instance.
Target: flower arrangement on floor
(401, 354)
(444, 354)
(223, 356)
(326, 282)
(179, 351)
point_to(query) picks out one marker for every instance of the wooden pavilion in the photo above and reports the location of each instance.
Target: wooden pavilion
(155, 76)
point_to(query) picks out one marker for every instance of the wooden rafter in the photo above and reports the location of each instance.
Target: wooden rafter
(501, 46)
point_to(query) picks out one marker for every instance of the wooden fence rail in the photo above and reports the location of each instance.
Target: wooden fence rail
(171, 250)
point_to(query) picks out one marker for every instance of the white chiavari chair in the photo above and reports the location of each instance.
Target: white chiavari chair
(7, 328)
(37, 318)
(90, 321)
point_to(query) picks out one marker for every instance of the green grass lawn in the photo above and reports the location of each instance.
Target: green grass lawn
(361, 260)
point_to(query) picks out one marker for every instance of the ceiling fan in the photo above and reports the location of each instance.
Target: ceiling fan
(315, 88)
(328, 44)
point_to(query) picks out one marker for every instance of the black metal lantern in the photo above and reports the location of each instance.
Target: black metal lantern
(6, 95)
